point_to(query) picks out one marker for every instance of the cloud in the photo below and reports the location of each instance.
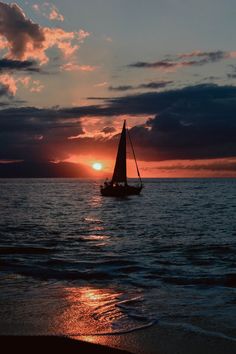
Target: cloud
(26, 40)
(18, 65)
(195, 58)
(196, 122)
(63, 40)
(162, 64)
(36, 134)
(76, 67)
(121, 88)
(232, 74)
(208, 57)
(210, 165)
(21, 33)
(36, 86)
(9, 84)
(155, 85)
(149, 85)
(192, 123)
(3, 43)
(101, 84)
(108, 130)
(48, 10)
(4, 91)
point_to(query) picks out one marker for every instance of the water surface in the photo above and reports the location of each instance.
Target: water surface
(74, 262)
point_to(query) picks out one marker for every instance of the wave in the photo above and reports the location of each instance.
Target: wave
(43, 273)
(114, 332)
(229, 280)
(25, 250)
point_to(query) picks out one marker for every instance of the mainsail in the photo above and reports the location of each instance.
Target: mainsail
(118, 187)
(119, 174)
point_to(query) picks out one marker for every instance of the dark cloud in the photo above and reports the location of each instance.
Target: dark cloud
(35, 134)
(196, 58)
(208, 57)
(18, 30)
(213, 166)
(163, 64)
(121, 88)
(149, 85)
(18, 65)
(196, 122)
(4, 91)
(155, 85)
(193, 123)
(108, 130)
(232, 74)
(3, 104)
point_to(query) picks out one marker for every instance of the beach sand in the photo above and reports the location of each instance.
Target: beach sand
(155, 340)
(168, 340)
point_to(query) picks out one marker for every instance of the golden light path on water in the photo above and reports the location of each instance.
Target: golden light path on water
(87, 311)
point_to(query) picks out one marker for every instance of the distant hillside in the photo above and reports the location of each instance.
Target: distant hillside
(44, 170)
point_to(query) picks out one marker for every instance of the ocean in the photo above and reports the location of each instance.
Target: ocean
(76, 263)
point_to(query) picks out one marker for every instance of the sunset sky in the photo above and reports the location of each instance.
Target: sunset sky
(72, 71)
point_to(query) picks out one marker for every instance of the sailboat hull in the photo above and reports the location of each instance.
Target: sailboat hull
(120, 191)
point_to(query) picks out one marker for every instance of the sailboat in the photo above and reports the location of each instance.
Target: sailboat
(118, 186)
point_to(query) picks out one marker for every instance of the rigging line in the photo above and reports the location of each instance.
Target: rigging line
(134, 156)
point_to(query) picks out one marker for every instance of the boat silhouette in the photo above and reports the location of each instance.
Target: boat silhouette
(118, 186)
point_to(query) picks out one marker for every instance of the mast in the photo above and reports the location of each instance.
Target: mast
(120, 173)
(134, 157)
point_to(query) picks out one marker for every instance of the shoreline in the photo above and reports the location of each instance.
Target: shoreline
(166, 339)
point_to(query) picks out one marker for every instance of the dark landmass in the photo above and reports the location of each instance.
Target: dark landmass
(44, 170)
(45, 344)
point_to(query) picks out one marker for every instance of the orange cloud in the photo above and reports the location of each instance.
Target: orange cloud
(101, 84)
(37, 86)
(76, 67)
(87, 68)
(55, 15)
(48, 10)
(28, 40)
(11, 83)
(3, 43)
(224, 167)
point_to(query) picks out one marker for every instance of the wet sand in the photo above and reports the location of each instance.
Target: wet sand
(155, 340)
(168, 340)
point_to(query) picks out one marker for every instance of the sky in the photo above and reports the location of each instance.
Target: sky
(72, 71)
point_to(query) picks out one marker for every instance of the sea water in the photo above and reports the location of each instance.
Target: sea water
(76, 263)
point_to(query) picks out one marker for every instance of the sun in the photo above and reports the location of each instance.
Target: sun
(97, 166)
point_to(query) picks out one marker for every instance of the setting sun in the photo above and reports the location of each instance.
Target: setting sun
(97, 166)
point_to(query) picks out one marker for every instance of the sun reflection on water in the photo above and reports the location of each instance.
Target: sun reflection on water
(95, 201)
(88, 311)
